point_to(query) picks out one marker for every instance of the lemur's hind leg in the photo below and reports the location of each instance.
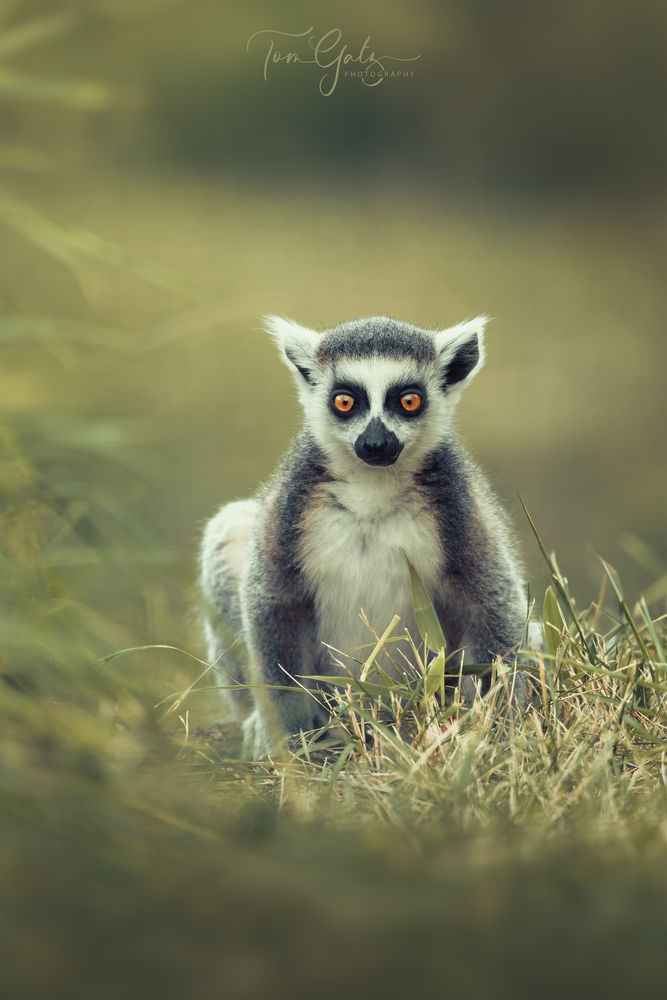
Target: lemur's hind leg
(223, 564)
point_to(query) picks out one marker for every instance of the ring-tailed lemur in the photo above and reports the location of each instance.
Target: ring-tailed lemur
(376, 474)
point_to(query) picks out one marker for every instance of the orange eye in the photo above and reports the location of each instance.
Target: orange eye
(344, 402)
(411, 402)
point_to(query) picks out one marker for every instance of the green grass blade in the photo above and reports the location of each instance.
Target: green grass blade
(628, 614)
(553, 622)
(559, 585)
(425, 614)
(435, 674)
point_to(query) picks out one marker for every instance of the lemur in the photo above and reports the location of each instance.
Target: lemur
(376, 476)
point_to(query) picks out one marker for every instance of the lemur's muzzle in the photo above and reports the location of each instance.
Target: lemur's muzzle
(377, 445)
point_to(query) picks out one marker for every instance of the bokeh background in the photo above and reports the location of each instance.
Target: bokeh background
(519, 173)
(156, 197)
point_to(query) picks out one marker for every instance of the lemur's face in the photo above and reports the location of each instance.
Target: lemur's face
(377, 408)
(377, 392)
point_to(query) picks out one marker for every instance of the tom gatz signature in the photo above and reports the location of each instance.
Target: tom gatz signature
(330, 53)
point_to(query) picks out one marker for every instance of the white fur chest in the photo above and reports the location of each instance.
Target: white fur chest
(354, 546)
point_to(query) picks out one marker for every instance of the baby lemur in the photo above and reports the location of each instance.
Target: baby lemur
(376, 476)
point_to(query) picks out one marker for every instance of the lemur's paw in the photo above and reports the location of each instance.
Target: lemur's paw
(318, 741)
(514, 688)
(257, 742)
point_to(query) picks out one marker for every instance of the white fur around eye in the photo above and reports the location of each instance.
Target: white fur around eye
(377, 375)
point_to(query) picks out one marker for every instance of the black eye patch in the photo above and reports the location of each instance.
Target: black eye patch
(357, 392)
(392, 401)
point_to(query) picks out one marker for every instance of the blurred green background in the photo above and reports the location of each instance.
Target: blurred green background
(158, 196)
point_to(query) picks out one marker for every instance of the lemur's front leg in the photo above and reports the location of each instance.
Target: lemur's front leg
(483, 620)
(281, 643)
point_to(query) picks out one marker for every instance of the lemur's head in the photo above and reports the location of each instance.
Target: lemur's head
(377, 391)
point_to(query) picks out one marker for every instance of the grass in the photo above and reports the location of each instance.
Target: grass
(590, 740)
(477, 847)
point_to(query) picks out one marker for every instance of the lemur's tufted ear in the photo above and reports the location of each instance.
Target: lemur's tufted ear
(461, 351)
(297, 346)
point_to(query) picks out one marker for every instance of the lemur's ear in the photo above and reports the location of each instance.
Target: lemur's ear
(297, 346)
(461, 351)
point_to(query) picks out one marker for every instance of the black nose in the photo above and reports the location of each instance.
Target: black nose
(377, 445)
